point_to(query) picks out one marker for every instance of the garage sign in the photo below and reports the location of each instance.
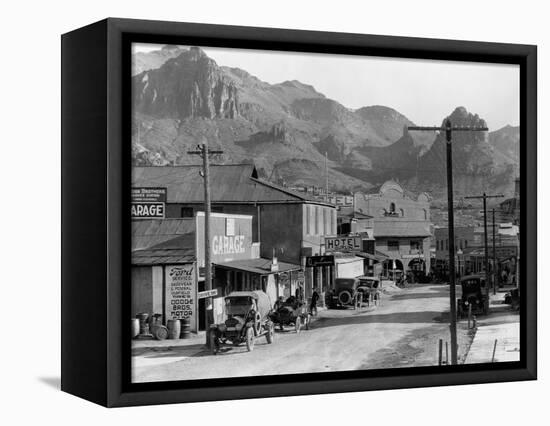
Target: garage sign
(148, 203)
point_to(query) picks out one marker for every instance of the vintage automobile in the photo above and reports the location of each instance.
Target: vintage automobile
(292, 312)
(474, 294)
(248, 318)
(346, 292)
(512, 298)
(369, 287)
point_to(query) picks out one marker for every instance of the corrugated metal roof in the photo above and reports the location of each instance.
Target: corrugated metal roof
(162, 257)
(400, 228)
(235, 183)
(259, 266)
(165, 233)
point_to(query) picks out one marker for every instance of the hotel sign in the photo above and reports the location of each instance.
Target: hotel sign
(347, 244)
(148, 203)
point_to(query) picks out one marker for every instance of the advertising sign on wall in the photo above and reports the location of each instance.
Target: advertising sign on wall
(314, 261)
(230, 237)
(181, 293)
(148, 203)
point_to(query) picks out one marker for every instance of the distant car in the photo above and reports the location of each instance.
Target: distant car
(346, 291)
(248, 317)
(292, 312)
(474, 294)
(370, 289)
(512, 298)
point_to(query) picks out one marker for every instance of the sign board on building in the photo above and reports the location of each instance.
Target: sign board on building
(347, 244)
(181, 293)
(349, 268)
(230, 237)
(313, 261)
(148, 203)
(207, 293)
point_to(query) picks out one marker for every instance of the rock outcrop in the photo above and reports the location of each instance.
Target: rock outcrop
(190, 85)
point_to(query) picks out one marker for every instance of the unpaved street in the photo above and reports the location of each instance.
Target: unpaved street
(404, 331)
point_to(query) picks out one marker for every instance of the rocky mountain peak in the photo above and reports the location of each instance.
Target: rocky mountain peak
(461, 117)
(189, 85)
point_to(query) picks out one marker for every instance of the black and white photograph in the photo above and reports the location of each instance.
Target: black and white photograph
(296, 212)
(308, 212)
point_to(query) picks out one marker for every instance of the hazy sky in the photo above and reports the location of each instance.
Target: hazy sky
(423, 90)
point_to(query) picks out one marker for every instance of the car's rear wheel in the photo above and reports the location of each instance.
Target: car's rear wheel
(298, 324)
(250, 339)
(345, 297)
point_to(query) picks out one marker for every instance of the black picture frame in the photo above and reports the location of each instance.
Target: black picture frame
(95, 196)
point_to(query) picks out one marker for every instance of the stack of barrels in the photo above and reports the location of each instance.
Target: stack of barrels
(143, 325)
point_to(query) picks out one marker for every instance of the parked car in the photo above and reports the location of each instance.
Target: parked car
(291, 312)
(370, 289)
(512, 298)
(346, 292)
(474, 294)
(247, 318)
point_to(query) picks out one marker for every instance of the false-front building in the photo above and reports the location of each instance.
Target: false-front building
(401, 223)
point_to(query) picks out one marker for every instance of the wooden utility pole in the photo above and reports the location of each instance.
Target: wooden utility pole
(326, 178)
(448, 128)
(495, 276)
(484, 197)
(204, 152)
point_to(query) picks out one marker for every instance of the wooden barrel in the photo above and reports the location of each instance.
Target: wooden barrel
(185, 328)
(174, 328)
(135, 327)
(143, 324)
(159, 332)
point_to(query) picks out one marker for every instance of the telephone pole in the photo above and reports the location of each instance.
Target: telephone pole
(495, 277)
(484, 197)
(448, 128)
(326, 177)
(203, 151)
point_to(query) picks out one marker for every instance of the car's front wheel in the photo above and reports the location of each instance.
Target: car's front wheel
(250, 339)
(298, 324)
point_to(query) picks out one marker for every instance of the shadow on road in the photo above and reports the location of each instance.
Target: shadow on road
(429, 295)
(169, 351)
(395, 318)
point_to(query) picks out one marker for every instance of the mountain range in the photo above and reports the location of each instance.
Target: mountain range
(182, 97)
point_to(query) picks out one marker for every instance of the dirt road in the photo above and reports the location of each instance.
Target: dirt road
(403, 332)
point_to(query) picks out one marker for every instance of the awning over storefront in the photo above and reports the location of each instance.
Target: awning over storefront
(378, 257)
(383, 255)
(347, 259)
(259, 266)
(349, 266)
